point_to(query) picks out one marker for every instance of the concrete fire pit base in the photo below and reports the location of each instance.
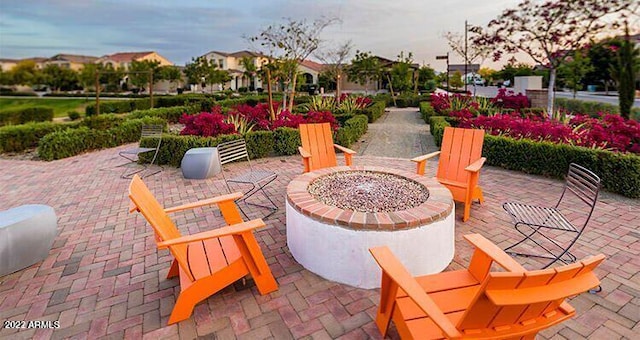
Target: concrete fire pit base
(342, 255)
(334, 243)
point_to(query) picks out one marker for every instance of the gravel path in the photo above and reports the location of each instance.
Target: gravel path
(399, 133)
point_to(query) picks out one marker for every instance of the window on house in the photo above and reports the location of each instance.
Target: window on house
(220, 63)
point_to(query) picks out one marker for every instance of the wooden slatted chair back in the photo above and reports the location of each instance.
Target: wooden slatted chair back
(530, 299)
(460, 147)
(163, 227)
(318, 140)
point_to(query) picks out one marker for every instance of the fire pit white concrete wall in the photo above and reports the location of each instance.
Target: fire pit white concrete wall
(334, 243)
(342, 255)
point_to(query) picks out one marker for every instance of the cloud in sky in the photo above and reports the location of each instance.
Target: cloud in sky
(180, 31)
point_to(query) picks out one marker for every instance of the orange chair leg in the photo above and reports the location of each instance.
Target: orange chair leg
(183, 308)
(256, 263)
(478, 194)
(174, 270)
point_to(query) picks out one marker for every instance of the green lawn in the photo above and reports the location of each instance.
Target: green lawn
(61, 106)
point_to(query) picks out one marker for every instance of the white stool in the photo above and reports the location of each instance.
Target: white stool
(200, 163)
(26, 235)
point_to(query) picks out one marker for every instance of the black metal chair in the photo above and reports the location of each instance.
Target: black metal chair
(151, 131)
(258, 179)
(532, 220)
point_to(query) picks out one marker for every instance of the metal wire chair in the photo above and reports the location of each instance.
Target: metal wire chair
(258, 179)
(151, 131)
(531, 220)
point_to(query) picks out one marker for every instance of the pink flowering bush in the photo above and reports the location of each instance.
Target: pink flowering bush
(257, 115)
(511, 100)
(287, 119)
(440, 102)
(206, 124)
(611, 132)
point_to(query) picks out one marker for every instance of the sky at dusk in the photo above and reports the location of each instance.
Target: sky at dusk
(180, 30)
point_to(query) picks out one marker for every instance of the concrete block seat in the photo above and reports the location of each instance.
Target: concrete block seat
(26, 235)
(200, 163)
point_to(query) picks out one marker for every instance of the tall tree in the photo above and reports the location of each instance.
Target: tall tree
(547, 30)
(170, 73)
(335, 60)
(59, 78)
(602, 55)
(364, 69)
(25, 73)
(574, 69)
(426, 78)
(144, 72)
(250, 70)
(402, 72)
(195, 72)
(628, 65)
(87, 77)
(294, 40)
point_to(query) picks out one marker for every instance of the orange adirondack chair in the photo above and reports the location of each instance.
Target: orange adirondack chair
(475, 302)
(317, 148)
(459, 165)
(209, 261)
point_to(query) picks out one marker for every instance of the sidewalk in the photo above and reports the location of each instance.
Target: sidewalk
(399, 133)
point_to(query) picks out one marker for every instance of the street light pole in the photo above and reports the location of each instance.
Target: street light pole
(466, 61)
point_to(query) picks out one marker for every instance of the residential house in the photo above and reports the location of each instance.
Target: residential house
(8, 64)
(124, 59)
(378, 85)
(70, 61)
(231, 62)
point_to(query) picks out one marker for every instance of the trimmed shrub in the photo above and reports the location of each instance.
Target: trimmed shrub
(352, 130)
(170, 114)
(427, 111)
(16, 138)
(287, 140)
(436, 127)
(30, 114)
(73, 115)
(620, 173)
(71, 142)
(103, 122)
(410, 100)
(374, 111)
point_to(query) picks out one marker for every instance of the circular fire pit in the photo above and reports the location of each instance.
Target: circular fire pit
(334, 215)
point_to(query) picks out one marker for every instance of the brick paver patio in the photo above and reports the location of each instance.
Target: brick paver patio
(104, 276)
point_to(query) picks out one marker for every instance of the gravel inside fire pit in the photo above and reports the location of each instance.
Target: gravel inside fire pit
(368, 191)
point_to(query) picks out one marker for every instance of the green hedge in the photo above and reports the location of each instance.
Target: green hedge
(16, 138)
(281, 142)
(170, 114)
(30, 114)
(374, 111)
(427, 111)
(411, 100)
(352, 130)
(287, 140)
(591, 108)
(620, 173)
(71, 142)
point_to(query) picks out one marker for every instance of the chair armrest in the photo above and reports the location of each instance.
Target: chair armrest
(304, 153)
(425, 157)
(475, 166)
(224, 231)
(492, 251)
(209, 201)
(392, 267)
(343, 149)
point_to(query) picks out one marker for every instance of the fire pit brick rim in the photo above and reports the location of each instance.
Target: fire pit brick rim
(437, 207)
